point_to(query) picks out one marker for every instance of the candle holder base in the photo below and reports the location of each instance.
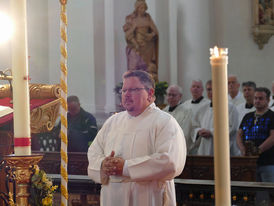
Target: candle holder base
(21, 168)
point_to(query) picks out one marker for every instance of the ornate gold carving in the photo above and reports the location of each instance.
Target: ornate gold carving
(37, 91)
(261, 38)
(43, 118)
(5, 91)
(22, 167)
(44, 91)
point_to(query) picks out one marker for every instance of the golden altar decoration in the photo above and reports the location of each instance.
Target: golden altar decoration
(43, 119)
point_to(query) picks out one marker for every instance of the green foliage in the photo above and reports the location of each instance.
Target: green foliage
(118, 88)
(41, 190)
(160, 88)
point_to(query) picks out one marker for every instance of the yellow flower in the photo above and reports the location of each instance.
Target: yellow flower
(48, 184)
(47, 201)
(44, 177)
(36, 169)
(53, 188)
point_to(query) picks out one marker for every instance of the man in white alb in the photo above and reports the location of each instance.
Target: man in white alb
(178, 111)
(138, 152)
(205, 130)
(248, 106)
(198, 101)
(234, 95)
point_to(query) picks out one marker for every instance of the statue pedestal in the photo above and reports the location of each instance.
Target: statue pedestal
(21, 168)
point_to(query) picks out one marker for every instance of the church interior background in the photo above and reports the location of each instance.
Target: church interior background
(96, 45)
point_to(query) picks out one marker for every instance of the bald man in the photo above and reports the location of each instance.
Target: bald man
(235, 96)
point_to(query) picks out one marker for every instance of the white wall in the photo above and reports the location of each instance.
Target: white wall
(201, 25)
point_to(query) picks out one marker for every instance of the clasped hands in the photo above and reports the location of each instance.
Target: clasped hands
(113, 165)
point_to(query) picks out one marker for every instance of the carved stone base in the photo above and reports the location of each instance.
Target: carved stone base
(22, 167)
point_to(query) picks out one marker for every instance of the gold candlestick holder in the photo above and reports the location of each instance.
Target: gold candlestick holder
(22, 167)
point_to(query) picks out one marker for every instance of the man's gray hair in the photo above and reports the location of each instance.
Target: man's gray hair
(233, 75)
(198, 80)
(179, 89)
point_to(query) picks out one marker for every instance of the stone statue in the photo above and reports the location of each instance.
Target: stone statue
(142, 40)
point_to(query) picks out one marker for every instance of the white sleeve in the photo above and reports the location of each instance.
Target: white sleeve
(96, 155)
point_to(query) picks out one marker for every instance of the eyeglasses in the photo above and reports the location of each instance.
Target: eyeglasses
(132, 90)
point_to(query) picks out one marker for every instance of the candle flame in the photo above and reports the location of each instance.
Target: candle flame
(216, 51)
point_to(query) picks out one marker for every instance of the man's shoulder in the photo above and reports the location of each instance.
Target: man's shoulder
(187, 102)
(271, 112)
(86, 114)
(240, 106)
(249, 115)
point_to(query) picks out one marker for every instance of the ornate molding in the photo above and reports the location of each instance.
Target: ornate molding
(44, 91)
(21, 168)
(43, 118)
(37, 91)
(261, 38)
(5, 91)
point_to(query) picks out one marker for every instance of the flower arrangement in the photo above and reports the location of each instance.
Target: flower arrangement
(41, 190)
(118, 88)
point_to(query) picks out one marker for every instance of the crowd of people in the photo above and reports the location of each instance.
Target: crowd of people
(195, 115)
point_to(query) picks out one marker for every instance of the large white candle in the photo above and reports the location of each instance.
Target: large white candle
(218, 61)
(21, 105)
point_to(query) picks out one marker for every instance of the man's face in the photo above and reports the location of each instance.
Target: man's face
(233, 85)
(196, 90)
(73, 108)
(248, 93)
(135, 97)
(173, 97)
(260, 101)
(209, 91)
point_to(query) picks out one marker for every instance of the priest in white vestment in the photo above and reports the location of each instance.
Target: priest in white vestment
(138, 152)
(179, 112)
(234, 95)
(204, 126)
(198, 101)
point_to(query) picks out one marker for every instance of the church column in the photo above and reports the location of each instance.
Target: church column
(173, 64)
(110, 56)
(92, 59)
